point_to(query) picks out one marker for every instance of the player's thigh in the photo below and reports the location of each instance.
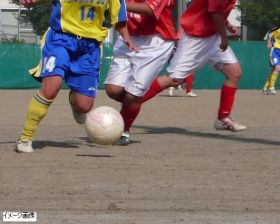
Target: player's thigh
(220, 58)
(120, 67)
(152, 57)
(275, 59)
(191, 53)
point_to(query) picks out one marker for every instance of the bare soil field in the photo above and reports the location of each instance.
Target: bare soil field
(178, 169)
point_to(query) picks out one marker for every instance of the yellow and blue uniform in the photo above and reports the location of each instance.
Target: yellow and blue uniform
(274, 36)
(87, 18)
(71, 47)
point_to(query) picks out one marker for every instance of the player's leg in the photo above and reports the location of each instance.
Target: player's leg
(266, 85)
(272, 80)
(51, 76)
(80, 105)
(232, 73)
(154, 53)
(36, 111)
(275, 62)
(119, 71)
(83, 78)
(189, 84)
(158, 85)
(130, 109)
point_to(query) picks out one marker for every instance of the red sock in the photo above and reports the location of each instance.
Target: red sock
(226, 101)
(189, 81)
(154, 89)
(129, 114)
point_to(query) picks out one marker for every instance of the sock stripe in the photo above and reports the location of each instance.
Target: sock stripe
(42, 100)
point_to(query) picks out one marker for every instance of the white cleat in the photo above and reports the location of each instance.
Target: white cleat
(265, 91)
(271, 91)
(170, 91)
(229, 124)
(24, 146)
(124, 139)
(191, 94)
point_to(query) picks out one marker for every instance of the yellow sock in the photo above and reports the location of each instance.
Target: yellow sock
(273, 79)
(37, 109)
(266, 85)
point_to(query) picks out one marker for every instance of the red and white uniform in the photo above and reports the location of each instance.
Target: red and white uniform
(155, 36)
(197, 21)
(160, 23)
(200, 42)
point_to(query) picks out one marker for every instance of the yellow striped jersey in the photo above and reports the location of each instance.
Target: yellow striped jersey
(87, 18)
(274, 36)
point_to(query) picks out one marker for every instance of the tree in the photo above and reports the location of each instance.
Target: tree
(37, 14)
(257, 15)
(260, 16)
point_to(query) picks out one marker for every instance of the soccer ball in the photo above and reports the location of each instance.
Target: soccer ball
(104, 125)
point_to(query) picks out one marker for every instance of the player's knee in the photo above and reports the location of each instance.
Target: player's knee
(233, 72)
(131, 99)
(84, 106)
(114, 92)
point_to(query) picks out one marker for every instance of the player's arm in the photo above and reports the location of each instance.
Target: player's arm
(140, 8)
(269, 43)
(231, 28)
(121, 27)
(221, 28)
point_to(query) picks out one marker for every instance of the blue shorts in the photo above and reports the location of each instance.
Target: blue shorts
(76, 60)
(275, 57)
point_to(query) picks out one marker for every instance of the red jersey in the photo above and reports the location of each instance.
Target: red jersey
(160, 23)
(197, 20)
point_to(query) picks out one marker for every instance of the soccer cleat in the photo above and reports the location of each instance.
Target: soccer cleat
(228, 123)
(24, 146)
(79, 117)
(124, 139)
(180, 87)
(191, 94)
(271, 91)
(170, 91)
(265, 92)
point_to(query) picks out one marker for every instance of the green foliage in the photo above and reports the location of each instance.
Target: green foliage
(260, 15)
(37, 14)
(5, 39)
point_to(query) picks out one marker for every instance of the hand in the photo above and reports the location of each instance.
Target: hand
(233, 30)
(122, 29)
(224, 43)
(132, 46)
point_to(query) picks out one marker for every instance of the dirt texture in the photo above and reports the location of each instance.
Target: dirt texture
(178, 169)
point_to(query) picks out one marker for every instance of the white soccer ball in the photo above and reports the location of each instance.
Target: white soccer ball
(104, 125)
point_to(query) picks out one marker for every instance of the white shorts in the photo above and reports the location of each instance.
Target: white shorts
(136, 71)
(194, 52)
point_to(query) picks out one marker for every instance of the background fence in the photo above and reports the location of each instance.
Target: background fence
(16, 59)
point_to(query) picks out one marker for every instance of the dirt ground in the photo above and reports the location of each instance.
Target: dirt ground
(178, 169)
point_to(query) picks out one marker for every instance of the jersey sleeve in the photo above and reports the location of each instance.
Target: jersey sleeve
(267, 36)
(122, 17)
(117, 12)
(157, 6)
